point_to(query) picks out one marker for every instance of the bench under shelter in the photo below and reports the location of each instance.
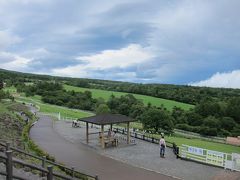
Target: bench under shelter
(107, 119)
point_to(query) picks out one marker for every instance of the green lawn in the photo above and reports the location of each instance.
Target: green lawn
(97, 93)
(11, 89)
(204, 144)
(3, 108)
(48, 108)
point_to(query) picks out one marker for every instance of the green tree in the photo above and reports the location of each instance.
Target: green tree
(209, 108)
(211, 122)
(227, 123)
(157, 119)
(102, 108)
(1, 84)
(233, 109)
(193, 118)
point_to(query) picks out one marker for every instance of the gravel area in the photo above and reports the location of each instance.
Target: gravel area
(142, 154)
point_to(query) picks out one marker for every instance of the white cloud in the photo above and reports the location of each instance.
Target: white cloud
(14, 62)
(131, 55)
(226, 80)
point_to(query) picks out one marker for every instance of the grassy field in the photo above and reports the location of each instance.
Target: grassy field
(204, 144)
(48, 108)
(3, 108)
(11, 89)
(97, 93)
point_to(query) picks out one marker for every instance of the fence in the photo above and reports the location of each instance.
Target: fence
(142, 136)
(199, 136)
(216, 158)
(10, 161)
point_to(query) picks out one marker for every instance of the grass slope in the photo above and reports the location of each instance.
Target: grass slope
(48, 108)
(97, 93)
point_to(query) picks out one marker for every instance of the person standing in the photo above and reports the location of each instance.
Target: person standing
(162, 144)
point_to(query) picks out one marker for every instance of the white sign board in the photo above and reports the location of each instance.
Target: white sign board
(195, 150)
(215, 158)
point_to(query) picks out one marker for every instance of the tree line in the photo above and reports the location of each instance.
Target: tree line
(181, 93)
(217, 110)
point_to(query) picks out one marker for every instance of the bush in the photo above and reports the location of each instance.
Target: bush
(207, 131)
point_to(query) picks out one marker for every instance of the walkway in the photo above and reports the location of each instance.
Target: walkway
(145, 155)
(86, 159)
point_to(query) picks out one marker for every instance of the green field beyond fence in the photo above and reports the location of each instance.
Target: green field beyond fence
(97, 93)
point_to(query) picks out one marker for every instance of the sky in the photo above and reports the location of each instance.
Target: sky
(190, 42)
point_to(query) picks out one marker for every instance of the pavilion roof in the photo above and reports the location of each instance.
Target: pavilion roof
(104, 119)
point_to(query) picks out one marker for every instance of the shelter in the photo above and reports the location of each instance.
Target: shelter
(107, 119)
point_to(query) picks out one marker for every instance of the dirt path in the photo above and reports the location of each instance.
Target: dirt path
(86, 159)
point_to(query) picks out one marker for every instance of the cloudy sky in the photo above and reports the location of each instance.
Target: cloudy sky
(148, 41)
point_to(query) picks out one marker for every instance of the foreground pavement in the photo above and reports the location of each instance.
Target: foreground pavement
(86, 159)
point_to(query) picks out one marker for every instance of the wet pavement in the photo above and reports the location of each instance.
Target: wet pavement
(84, 158)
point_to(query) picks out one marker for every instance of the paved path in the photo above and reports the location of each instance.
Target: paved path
(86, 159)
(143, 154)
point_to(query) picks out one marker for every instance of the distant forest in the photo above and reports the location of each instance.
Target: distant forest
(217, 110)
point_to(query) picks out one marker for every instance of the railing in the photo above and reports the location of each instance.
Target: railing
(199, 136)
(10, 161)
(74, 174)
(145, 137)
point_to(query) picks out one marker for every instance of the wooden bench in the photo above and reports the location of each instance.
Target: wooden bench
(113, 141)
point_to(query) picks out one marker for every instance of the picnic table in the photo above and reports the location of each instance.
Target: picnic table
(109, 140)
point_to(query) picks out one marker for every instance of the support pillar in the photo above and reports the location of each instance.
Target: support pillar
(102, 136)
(87, 132)
(111, 127)
(128, 133)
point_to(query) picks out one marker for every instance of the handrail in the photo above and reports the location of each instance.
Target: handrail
(142, 137)
(73, 171)
(32, 166)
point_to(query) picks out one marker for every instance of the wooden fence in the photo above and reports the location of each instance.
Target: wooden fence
(142, 136)
(45, 171)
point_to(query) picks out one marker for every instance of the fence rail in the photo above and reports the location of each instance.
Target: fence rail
(42, 169)
(142, 136)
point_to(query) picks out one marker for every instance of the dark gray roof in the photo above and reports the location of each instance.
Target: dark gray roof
(103, 119)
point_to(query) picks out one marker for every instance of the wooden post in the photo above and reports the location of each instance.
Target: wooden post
(9, 165)
(50, 173)
(87, 132)
(111, 127)
(72, 172)
(8, 146)
(102, 136)
(128, 133)
(43, 164)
